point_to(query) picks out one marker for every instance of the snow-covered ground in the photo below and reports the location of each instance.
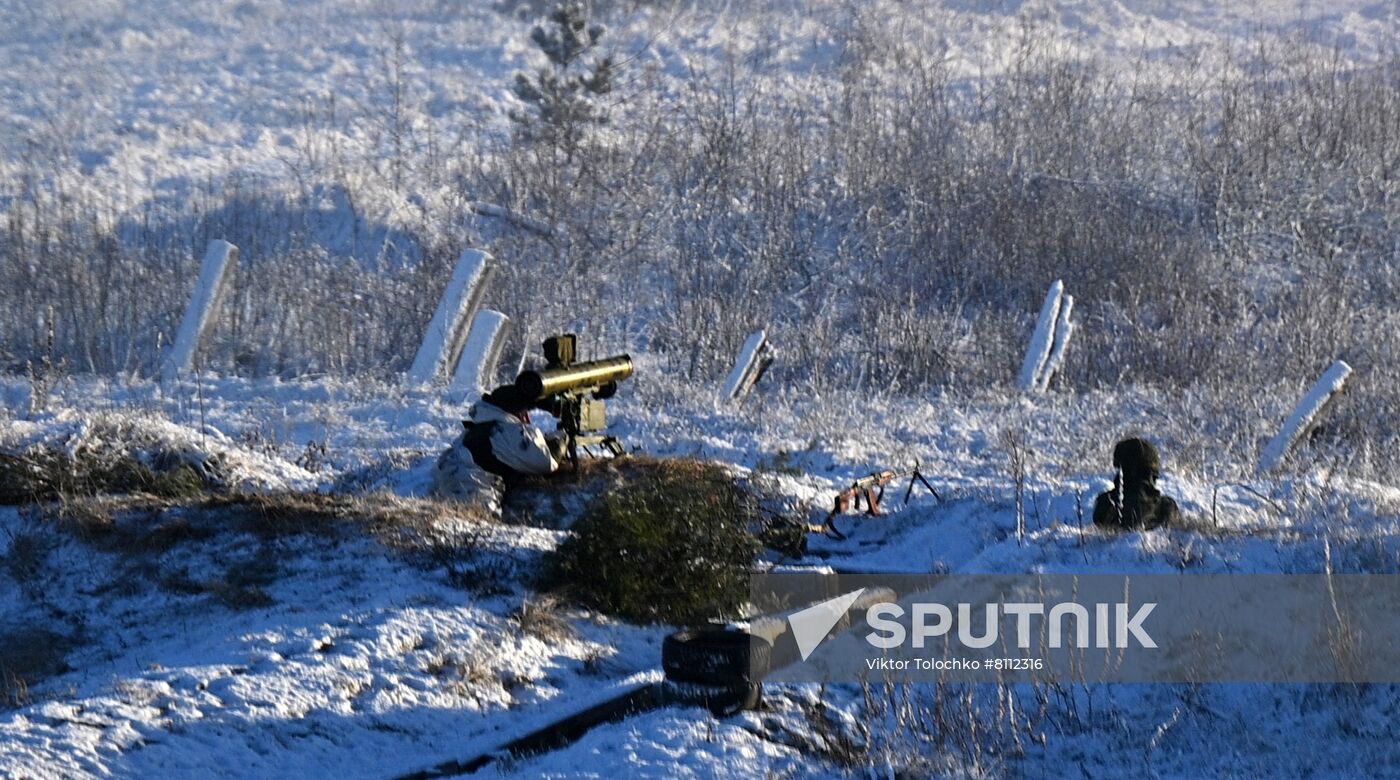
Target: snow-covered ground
(191, 643)
(237, 652)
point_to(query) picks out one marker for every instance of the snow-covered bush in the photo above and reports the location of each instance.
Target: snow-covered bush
(121, 452)
(44, 475)
(673, 545)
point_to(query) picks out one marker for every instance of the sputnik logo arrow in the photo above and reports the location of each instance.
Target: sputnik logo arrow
(811, 625)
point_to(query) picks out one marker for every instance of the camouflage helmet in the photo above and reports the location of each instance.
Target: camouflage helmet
(508, 397)
(1137, 459)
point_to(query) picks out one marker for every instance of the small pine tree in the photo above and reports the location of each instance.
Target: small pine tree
(561, 98)
(674, 545)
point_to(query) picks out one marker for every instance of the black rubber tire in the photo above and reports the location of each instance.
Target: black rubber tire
(719, 657)
(721, 701)
(749, 698)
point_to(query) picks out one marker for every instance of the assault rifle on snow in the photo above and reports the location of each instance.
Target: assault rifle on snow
(871, 490)
(574, 393)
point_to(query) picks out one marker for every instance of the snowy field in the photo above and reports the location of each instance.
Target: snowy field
(144, 102)
(221, 644)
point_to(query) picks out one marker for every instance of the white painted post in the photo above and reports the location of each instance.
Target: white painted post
(447, 332)
(1042, 340)
(524, 357)
(1064, 329)
(214, 275)
(754, 359)
(1305, 415)
(481, 353)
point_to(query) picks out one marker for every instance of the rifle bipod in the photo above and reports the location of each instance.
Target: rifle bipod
(871, 489)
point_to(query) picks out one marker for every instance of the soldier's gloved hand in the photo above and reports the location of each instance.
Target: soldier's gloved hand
(559, 445)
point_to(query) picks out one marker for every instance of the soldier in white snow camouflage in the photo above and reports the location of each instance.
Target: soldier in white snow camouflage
(499, 445)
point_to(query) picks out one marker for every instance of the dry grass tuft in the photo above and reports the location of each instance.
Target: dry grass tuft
(431, 533)
(543, 618)
(465, 676)
(28, 555)
(146, 523)
(87, 517)
(14, 690)
(240, 587)
(28, 655)
(142, 527)
(238, 595)
(44, 474)
(399, 522)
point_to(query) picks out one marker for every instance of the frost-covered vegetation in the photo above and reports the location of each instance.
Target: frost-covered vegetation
(889, 190)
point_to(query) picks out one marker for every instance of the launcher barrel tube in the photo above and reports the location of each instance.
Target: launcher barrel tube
(594, 373)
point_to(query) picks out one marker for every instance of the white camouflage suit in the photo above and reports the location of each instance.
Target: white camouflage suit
(515, 443)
